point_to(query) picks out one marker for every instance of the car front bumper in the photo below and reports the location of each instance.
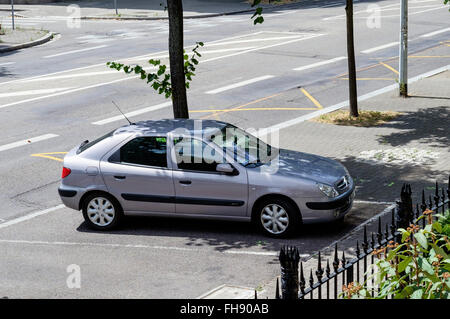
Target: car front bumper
(325, 211)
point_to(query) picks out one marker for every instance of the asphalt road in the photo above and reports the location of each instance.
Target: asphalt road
(59, 94)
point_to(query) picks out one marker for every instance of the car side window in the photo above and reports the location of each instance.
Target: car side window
(148, 150)
(193, 154)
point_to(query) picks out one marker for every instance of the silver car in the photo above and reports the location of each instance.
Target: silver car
(201, 169)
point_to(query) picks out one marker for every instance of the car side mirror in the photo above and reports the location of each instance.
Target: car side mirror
(227, 169)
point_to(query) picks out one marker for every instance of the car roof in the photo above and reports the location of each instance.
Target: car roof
(168, 125)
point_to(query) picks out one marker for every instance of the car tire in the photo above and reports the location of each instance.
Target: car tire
(284, 220)
(101, 211)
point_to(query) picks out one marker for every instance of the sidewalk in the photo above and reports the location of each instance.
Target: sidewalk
(423, 126)
(135, 9)
(19, 38)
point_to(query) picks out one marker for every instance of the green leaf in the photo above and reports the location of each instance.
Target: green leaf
(256, 2)
(258, 20)
(402, 266)
(417, 294)
(421, 239)
(439, 250)
(405, 234)
(437, 227)
(425, 265)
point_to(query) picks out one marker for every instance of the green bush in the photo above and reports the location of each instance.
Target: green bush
(418, 268)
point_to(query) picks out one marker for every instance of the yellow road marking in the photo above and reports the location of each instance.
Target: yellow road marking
(47, 155)
(309, 96)
(240, 106)
(256, 109)
(389, 67)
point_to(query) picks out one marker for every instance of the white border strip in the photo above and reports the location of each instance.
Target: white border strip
(26, 142)
(29, 216)
(310, 66)
(75, 51)
(239, 84)
(338, 106)
(133, 113)
(65, 243)
(434, 33)
(381, 47)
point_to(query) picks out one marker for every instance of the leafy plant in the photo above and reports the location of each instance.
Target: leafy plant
(417, 268)
(160, 80)
(258, 12)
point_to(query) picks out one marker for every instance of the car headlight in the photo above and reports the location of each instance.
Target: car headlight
(327, 190)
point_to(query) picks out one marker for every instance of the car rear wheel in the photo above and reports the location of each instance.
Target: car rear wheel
(101, 211)
(277, 217)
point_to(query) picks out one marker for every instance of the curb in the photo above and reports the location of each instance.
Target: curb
(42, 40)
(269, 287)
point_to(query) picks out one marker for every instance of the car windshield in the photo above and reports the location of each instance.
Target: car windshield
(246, 149)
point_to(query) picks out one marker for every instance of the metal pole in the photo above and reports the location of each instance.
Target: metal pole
(403, 67)
(115, 6)
(12, 13)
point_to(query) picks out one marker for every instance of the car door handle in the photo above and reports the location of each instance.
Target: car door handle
(119, 177)
(185, 182)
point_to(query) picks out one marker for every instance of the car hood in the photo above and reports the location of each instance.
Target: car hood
(308, 166)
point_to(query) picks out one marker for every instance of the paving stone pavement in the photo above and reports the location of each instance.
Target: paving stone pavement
(424, 124)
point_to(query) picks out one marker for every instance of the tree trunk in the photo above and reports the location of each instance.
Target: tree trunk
(176, 55)
(351, 60)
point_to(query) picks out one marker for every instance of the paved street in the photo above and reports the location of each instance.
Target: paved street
(274, 75)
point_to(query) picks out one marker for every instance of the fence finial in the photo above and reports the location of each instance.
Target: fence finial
(404, 212)
(379, 233)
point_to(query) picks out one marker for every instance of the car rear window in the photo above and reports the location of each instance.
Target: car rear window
(84, 147)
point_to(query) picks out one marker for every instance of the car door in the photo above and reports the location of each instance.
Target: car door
(199, 188)
(137, 173)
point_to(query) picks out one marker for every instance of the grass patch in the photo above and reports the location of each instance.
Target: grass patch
(365, 118)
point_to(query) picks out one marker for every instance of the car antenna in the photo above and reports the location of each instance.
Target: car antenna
(122, 113)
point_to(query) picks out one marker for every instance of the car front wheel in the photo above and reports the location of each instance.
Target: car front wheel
(277, 218)
(101, 211)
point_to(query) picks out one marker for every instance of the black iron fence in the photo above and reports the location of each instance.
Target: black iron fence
(328, 279)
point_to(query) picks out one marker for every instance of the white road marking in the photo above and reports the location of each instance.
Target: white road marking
(134, 77)
(361, 226)
(239, 84)
(7, 63)
(310, 66)
(77, 75)
(256, 40)
(338, 106)
(145, 56)
(331, 4)
(381, 47)
(75, 51)
(69, 91)
(361, 11)
(33, 92)
(201, 51)
(262, 48)
(133, 113)
(26, 142)
(139, 246)
(434, 33)
(29, 216)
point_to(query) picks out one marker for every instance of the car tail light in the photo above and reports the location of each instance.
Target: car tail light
(65, 172)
